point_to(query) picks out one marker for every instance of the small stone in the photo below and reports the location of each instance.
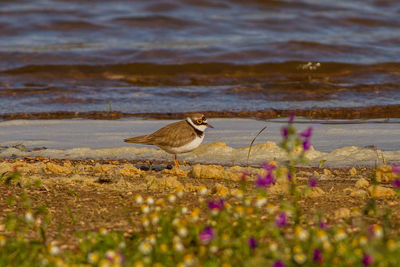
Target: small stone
(316, 192)
(130, 170)
(342, 213)
(359, 193)
(54, 168)
(279, 189)
(220, 190)
(208, 172)
(110, 176)
(362, 183)
(216, 172)
(176, 171)
(304, 173)
(353, 171)
(327, 172)
(155, 183)
(348, 190)
(384, 173)
(380, 191)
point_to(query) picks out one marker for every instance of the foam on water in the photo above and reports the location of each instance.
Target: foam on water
(340, 145)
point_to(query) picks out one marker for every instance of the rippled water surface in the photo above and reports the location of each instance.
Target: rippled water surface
(175, 56)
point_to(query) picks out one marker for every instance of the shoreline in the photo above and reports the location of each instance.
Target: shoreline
(372, 112)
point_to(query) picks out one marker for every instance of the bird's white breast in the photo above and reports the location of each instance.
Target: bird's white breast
(185, 148)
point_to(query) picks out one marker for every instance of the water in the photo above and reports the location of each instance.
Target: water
(179, 56)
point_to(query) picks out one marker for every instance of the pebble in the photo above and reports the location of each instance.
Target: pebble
(381, 192)
(362, 183)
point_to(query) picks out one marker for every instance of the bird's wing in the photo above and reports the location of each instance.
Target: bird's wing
(144, 139)
(173, 135)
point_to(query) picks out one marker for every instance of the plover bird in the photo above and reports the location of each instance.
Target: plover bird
(176, 138)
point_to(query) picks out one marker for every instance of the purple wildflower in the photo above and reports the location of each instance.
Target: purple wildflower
(268, 167)
(252, 242)
(207, 235)
(307, 133)
(396, 183)
(281, 219)
(306, 144)
(395, 169)
(367, 260)
(312, 182)
(323, 225)
(285, 132)
(216, 205)
(244, 176)
(278, 263)
(289, 176)
(317, 256)
(264, 181)
(291, 117)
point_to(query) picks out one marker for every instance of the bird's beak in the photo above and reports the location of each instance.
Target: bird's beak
(209, 125)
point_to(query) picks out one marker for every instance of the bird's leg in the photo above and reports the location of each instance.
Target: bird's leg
(176, 161)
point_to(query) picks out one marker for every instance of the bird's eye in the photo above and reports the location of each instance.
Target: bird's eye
(199, 122)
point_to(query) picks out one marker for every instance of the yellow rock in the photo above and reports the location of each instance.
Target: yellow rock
(362, 183)
(278, 189)
(327, 172)
(5, 167)
(215, 172)
(207, 172)
(106, 167)
(220, 190)
(316, 192)
(384, 173)
(189, 187)
(359, 193)
(353, 171)
(380, 191)
(176, 171)
(342, 213)
(130, 170)
(54, 168)
(155, 183)
(348, 190)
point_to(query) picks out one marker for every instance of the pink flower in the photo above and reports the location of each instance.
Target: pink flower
(396, 183)
(264, 181)
(323, 225)
(312, 182)
(306, 144)
(244, 176)
(367, 260)
(395, 169)
(281, 219)
(291, 117)
(207, 235)
(307, 133)
(285, 132)
(252, 242)
(216, 205)
(268, 167)
(317, 256)
(278, 263)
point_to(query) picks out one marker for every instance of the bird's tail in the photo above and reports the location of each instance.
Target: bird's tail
(144, 139)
